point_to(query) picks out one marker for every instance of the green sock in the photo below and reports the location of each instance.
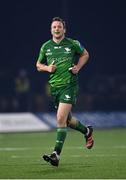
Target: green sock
(79, 127)
(61, 135)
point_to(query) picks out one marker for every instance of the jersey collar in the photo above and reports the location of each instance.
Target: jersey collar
(58, 43)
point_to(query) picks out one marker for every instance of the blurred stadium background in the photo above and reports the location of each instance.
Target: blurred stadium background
(99, 25)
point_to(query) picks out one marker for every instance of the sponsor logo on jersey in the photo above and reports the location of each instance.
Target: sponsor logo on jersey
(48, 52)
(67, 50)
(67, 97)
(57, 47)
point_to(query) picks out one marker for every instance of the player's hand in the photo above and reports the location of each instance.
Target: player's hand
(51, 67)
(74, 69)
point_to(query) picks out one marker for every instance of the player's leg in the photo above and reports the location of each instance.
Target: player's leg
(62, 114)
(73, 123)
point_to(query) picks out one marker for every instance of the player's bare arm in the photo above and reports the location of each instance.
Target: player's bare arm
(43, 67)
(82, 61)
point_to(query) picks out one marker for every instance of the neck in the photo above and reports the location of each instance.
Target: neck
(58, 40)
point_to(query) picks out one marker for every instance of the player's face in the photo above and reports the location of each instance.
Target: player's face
(57, 29)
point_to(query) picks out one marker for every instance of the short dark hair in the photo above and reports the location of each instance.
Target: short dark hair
(59, 19)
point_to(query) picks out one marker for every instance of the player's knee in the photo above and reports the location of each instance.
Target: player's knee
(61, 120)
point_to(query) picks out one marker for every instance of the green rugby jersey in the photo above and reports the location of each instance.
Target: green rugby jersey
(63, 55)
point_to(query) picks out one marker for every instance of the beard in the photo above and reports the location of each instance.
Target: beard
(59, 36)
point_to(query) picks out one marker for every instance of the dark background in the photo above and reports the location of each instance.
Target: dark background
(99, 25)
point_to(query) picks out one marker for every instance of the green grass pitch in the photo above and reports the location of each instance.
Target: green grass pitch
(20, 156)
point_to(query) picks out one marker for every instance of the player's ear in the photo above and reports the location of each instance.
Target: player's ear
(64, 30)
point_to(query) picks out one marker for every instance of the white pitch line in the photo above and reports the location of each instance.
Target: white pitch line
(20, 148)
(97, 147)
(20, 157)
(13, 149)
(67, 147)
(96, 155)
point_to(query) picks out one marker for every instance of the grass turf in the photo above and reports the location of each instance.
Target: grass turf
(20, 156)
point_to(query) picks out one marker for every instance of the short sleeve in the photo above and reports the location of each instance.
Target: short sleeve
(78, 47)
(42, 57)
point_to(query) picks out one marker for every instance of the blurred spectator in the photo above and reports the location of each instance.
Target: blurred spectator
(22, 102)
(100, 93)
(4, 104)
